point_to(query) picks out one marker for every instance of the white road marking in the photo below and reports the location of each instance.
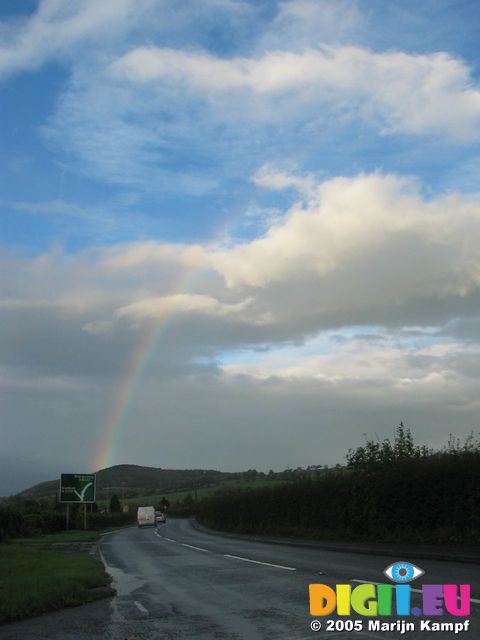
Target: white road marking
(140, 606)
(267, 564)
(107, 533)
(126, 544)
(164, 537)
(102, 558)
(413, 590)
(184, 544)
(226, 555)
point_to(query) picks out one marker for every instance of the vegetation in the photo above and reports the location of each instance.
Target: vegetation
(29, 518)
(114, 506)
(134, 484)
(65, 537)
(376, 455)
(133, 481)
(189, 496)
(36, 581)
(32, 518)
(389, 491)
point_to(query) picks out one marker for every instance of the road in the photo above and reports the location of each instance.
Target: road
(176, 582)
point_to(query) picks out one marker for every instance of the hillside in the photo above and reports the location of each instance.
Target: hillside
(129, 480)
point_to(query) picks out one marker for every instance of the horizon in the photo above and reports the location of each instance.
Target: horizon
(126, 464)
(236, 234)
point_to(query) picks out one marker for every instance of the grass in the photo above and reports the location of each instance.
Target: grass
(203, 492)
(35, 581)
(67, 536)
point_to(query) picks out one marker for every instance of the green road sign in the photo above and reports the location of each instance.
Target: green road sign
(77, 487)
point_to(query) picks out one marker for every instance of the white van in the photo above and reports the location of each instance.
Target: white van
(145, 516)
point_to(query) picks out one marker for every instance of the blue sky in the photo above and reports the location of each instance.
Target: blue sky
(190, 169)
(291, 187)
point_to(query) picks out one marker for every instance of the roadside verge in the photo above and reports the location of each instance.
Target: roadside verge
(36, 578)
(429, 552)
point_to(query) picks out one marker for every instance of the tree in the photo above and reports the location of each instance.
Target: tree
(115, 506)
(375, 454)
(164, 504)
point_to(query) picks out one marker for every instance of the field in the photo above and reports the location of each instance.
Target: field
(64, 537)
(199, 493)
(202, 492)
(33, 581)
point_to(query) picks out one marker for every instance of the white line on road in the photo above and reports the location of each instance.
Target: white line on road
(226, 555)
(165, 537)
(184, 544)
(126, 544)
(107, 533)
(267, 564)
(140, 606)
(102, 558)
(413, 590)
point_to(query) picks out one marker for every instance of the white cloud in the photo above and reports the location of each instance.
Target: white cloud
(57, 27)
(20, 304)
(309, 22)
(270, 177)
(133, 255)
(98, 327)
(363, 250)
(399, 92)
(179, 118)
(112, 132)
(370, 371)
(372, 231)
(303, 23)
(54, 208)
(42, 383)
(180, 303)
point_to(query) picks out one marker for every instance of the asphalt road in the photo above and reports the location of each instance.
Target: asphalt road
(175, 582)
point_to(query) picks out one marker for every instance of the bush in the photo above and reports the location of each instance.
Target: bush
(115, 506)
(183, 508)
(416, 497)
(43, 522)
(11, 524)
(98, 521)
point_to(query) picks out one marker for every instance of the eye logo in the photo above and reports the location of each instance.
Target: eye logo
(380, 599)
(403, 572)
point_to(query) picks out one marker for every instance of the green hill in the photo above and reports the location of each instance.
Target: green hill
(130, 480)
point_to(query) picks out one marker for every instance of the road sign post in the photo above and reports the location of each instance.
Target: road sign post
(77, 488)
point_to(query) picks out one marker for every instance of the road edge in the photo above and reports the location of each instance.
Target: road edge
(396, 550)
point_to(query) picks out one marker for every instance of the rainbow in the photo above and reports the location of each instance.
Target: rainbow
(106, 450)
(105, 454)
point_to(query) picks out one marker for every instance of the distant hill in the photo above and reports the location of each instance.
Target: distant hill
(130, 480)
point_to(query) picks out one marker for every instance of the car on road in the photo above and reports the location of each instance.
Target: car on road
(146, 516)
(160, 517)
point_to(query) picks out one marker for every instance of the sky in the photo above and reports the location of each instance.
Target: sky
(235, 234)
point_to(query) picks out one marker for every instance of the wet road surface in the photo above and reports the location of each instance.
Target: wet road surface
(176, 582)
